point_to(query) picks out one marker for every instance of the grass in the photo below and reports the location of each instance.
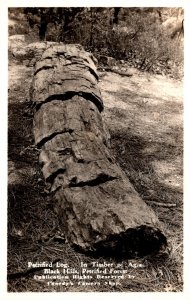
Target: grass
(146, 139)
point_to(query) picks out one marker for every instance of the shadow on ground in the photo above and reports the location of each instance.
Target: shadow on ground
(129, 152)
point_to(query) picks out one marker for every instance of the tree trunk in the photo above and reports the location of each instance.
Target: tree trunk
(116, 15)
(98, 208)
(43, 27)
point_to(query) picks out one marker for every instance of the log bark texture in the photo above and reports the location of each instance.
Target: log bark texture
(98, 208)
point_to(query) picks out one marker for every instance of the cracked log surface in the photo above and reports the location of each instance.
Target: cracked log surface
(98, 208)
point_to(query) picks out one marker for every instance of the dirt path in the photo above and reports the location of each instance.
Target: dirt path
(150, 107)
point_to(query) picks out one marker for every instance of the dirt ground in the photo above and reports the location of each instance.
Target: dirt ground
(144, 114)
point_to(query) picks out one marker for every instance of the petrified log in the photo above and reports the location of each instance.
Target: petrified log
(98, 208)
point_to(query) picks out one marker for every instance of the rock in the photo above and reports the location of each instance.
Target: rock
(98, 208)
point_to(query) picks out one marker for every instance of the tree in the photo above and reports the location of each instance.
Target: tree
(116, 15)
(56, 15)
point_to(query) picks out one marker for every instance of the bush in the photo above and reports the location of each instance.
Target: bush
(18, 28)
(140, 39)
(137, 37)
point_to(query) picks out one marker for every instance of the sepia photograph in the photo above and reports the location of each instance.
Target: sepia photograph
(95, 149)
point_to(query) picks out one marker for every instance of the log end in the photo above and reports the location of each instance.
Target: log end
(133, 243)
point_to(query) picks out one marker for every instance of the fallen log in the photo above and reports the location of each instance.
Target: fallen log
(97, 206)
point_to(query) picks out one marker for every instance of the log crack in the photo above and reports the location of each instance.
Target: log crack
(68, 95)
(51, 136)
(51, 177)
(101, 178)
(43, 68)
